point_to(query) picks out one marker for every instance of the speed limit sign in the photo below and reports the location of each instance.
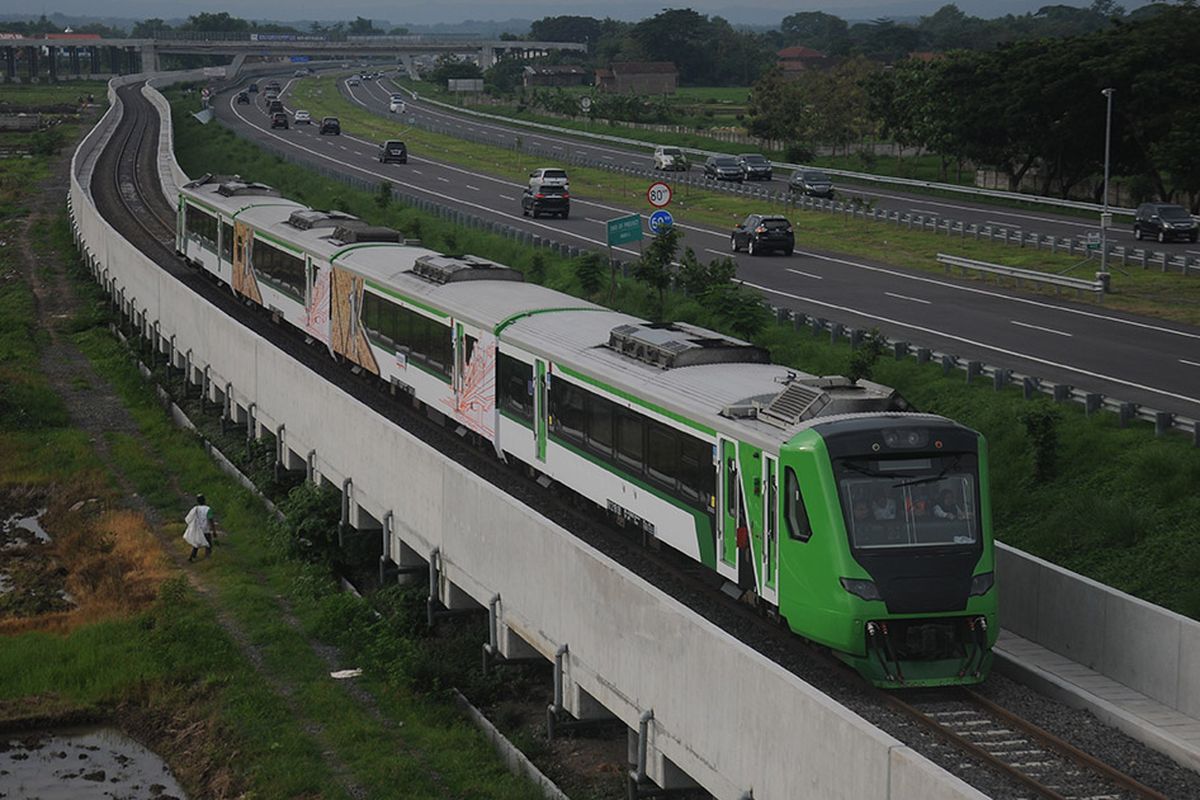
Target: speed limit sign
(659, 194)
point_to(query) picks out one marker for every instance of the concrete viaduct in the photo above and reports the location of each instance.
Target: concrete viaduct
(31, 59)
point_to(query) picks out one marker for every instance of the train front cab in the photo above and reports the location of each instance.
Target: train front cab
(886, 552)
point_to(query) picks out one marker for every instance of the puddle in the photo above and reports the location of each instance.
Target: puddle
(83, 764)
(16, 529)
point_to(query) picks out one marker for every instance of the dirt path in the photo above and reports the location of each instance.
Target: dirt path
(96, 408)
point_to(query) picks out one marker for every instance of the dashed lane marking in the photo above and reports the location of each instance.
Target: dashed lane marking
(906, 297)
(1040, 328)
(806, 274)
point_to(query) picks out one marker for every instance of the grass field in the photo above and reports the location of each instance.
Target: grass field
(1121, 505)
(1168, 296)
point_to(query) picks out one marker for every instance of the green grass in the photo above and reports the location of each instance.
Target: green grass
(1119, 501)
(38, 95)
(1167, 296)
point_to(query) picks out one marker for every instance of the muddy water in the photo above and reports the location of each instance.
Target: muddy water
(82, 764)
(31, 579)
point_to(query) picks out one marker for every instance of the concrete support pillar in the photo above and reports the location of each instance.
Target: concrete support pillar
(31, 63)
(10, 63)
(93, 60)
(149, 58)
(131, 61)
(52, 58)
(73, 52)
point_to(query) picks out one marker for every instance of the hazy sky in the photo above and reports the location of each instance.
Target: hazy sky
(399, 12)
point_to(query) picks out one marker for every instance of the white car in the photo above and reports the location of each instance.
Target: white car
(548, 176)
(396, 104)
(352, 82)
(302, 118)
(671, 158)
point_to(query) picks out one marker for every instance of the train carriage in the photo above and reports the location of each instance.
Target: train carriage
(865, 526)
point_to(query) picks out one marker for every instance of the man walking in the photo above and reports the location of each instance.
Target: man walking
(201, 528)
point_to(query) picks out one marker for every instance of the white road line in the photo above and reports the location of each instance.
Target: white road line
(506, 197)
(416, 172)
(443, 180)
(974, 343)
(924, 211)
(1189, 363)
(989, 293)
(906, 297)
(806, 274)
(718, 252)
(608, 158)
(597, 221)
(1001, 224)
(555, 147)
(1040, 328)
(472, 188)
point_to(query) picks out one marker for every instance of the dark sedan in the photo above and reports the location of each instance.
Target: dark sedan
(761, 233)
(812, 182)
(723, 168)
(755, 167)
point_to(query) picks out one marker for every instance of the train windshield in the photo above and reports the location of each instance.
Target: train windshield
(929, 501)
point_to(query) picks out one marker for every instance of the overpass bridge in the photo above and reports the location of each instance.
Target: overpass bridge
(33, 59)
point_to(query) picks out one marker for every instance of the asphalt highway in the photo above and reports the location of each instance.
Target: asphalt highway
(1024, 220)
(1147, 361)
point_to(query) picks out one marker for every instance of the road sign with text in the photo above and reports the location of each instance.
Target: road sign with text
(659, 194)
(624, 230)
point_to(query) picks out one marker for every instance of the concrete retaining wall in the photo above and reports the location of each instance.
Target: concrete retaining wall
(729, 718)
(1144, 646)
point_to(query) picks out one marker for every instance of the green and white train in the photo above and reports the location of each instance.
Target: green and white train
(865, 526)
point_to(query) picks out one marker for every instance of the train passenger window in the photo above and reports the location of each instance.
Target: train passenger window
(379, 318)
(469, 349)
(630, 443)
(201, 225)
(567, 401)
(226, 241)
(662, 457)
(795, 515)
(697, 477)
(516, 386)
(600, 425)
(282, 271)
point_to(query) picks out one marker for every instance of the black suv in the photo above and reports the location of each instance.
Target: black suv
(762, 232)
(243, 98)
(546, 199)
(275, 107)
(279, 120)
(811, 181)
(755, 167)
(331, 126)
(1164, 221)
(723, 168)
(393, 151)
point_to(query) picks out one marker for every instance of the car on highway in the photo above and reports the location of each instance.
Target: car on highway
(252, 88)
(273, 85)
(546, 199)
(275, 107)
(1164, 221)
(396, 104)
(393, 151)
(811, 182)
(723, 168)
(330, 126)
(279, 120)
(271, 94)
(755, 167)
(302, 117)
(762, 233)
(243, 98)
(549, 176)
(670, 158)
(300, 73)
(353, 82)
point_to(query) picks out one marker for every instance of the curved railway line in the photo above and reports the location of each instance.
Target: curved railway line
(126, 188)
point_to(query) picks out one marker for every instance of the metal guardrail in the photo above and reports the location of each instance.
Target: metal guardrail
(1096, 287)
(857, 176)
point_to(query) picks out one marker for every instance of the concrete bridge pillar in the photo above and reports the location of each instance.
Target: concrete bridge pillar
(406, 61)
(93, 60)
(10, 63)
(487, 57)
(73, 53)
(31, 63)
(149, 58)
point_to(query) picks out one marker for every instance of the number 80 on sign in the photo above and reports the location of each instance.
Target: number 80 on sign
(659, 194)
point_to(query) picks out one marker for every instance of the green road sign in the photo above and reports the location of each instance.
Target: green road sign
(624, 230)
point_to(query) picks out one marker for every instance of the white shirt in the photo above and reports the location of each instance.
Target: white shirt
(198, 525)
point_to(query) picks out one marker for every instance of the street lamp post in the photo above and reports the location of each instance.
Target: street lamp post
(1105, 216)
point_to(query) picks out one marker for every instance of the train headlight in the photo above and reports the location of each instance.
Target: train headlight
(906, 438)
(867, 590)
(981, 583)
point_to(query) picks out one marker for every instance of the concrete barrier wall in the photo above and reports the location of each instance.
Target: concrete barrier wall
(726, 716)
(1144, 646)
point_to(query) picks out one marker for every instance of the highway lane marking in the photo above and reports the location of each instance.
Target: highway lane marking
(425, 190)
(443, 180)
(988, 293)
(476, 189)
(906, 297)
(1001, 224)
(608, 158)
(718, 252)
(1040, 328)
(416, 172)
(556, 147)
(806, 274)
(974, 343)
(506, 197)
(597, 221)
(1189, 363)
(924, 211)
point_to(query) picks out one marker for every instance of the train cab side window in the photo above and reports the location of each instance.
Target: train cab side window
(567, 406)
(516, 386)
(202, 225)
(794, 513)
(226, 241)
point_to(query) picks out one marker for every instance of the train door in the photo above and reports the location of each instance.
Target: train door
(541, 406)
(770, 549)
(729, 490)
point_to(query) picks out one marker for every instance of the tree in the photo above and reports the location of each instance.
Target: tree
(219, 22)
(589, 270)
(566, 29)
(862, 360)
(361, 26)
(449, 67)
(148, 27)
(654, 267)
(817, 30)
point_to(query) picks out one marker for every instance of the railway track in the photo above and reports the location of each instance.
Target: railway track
(1044, 765)
(126, 189)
